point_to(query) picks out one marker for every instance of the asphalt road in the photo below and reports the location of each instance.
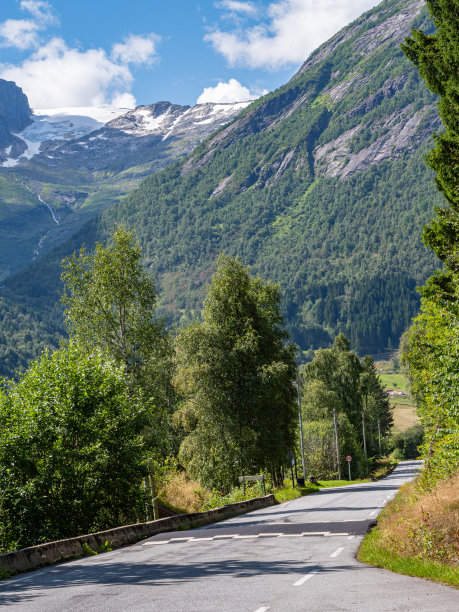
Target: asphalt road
(298, 556)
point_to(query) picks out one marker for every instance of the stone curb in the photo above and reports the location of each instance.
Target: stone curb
(34, 557)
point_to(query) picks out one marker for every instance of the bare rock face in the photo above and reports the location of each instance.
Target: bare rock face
(404, 131)
(15, 113)
(394, 29)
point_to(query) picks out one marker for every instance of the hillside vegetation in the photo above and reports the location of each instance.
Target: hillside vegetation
(320, 186)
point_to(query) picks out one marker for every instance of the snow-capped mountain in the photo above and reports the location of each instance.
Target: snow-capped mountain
(59, 167)
(62, 136)
(56, 124)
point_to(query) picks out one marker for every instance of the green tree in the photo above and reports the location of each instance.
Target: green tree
(338, 369)
(430, 346)
(110, 304)
(437, 57)
(430, 351)
(111, 301)
(236, 371)
(71, 454)
(336, 381)
(376, 410)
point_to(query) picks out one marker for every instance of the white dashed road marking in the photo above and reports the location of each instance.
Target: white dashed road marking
(307, 577)
(325, 534)
(337, 552)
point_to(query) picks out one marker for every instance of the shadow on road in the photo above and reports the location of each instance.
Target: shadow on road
(148, 574)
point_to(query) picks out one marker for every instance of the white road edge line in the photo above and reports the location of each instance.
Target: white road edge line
(303, 580)
(337, 552)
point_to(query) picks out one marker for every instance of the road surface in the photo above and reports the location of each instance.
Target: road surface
(298, 556)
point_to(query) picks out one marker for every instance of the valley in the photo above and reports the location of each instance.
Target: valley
(320, 185)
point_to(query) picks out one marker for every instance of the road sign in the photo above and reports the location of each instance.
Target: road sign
(348, 458)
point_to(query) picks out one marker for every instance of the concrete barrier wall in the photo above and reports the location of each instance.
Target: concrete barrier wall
(62, 550)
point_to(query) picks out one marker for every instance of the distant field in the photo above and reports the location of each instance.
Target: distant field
(404, 416)
(393, 381)
(404, 411)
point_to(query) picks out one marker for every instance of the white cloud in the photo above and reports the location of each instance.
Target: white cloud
(136, 49)
(23, 33)
(42, 11)
(56, 75)
(19, 33)
(123, 100)
(238, 7)
(292, 30)
(232, 91)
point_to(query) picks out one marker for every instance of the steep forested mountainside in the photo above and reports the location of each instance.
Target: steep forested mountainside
(320, 185)
(68, 166)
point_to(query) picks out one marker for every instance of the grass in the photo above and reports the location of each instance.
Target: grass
(183, 494)
(394, 381)
(404, 416)
(418, 533)
(374, 553)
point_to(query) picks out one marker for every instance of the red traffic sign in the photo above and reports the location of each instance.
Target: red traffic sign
(348, 458)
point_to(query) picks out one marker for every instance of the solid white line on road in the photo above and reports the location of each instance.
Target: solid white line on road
(337, 552)
(269, 535)
(262, 610)
(351, 537)
(303, 580)
(244, 537)
(329, 535)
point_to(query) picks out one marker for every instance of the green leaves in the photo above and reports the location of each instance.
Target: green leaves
(235, 372)
(70, 448)
(336, 380)
(431, 344)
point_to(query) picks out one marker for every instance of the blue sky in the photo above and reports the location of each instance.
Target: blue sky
(92, 52)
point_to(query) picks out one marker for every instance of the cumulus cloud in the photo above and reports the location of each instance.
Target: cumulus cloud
(19, 33)
(23, 33)
(232, 91)
(136, 49)
(291, 30)
(56, 75)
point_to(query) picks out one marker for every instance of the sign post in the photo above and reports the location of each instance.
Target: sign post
(245, 479)
(349, 460)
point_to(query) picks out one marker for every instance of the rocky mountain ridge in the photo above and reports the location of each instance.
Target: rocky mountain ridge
(15, 113)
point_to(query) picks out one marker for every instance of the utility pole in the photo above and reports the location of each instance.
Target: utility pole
(335, 427)
(298, 391)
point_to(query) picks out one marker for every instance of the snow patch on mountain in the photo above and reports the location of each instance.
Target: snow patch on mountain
(60, 124)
